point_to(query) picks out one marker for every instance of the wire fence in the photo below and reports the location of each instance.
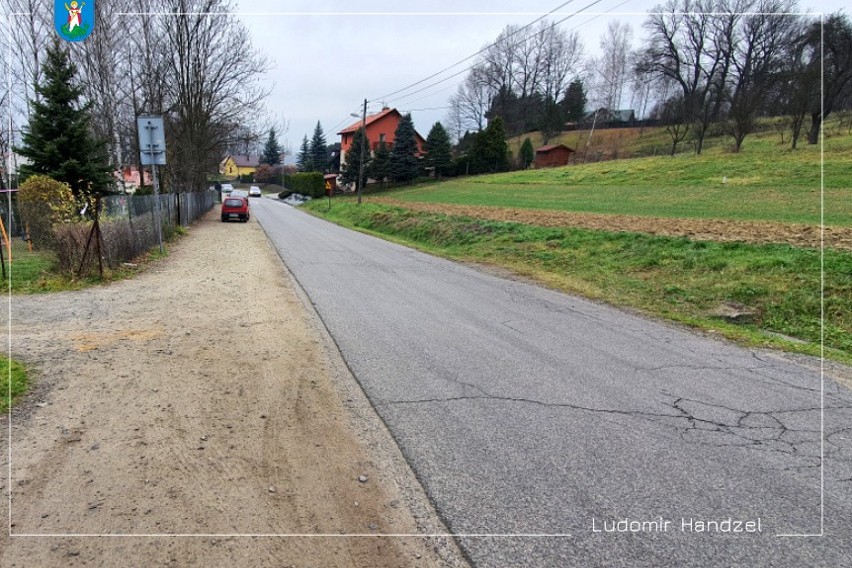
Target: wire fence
(83, 241)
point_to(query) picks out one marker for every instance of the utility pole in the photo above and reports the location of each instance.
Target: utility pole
(363, 143)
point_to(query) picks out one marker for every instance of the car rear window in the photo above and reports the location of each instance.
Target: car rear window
(233, 202)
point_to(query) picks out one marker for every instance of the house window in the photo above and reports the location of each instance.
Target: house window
(381, 137)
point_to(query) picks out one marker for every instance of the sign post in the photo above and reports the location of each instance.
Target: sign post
(152, 151)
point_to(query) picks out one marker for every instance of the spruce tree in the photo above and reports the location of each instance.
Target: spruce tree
(319, 153)
(438, 150)
(58, 141)
(403, 160)
(303, 161)
(349, 170)
(272, 150)
(574, 103)
(380, 164)
(527, 154)
(490, 153)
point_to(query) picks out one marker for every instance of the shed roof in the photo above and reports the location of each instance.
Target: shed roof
(550, 147)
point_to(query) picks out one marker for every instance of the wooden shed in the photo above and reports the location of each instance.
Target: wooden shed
(552, 156)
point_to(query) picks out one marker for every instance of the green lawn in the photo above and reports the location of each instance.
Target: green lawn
(673, 278)
(30, 271)
(763, 182)
(19, 381)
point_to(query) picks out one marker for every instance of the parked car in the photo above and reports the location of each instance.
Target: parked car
(235, 208)
(227, 188)
(254, 191)
(240, 193)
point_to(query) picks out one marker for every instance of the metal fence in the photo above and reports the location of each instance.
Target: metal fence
(127, 226)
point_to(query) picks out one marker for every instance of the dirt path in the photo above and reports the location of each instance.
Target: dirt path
(201, 398)
(798, 235)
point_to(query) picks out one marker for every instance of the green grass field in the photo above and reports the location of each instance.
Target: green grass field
(764, 182)
(674, 278)
(19, 381)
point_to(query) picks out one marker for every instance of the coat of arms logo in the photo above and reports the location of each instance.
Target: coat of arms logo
(74, 21)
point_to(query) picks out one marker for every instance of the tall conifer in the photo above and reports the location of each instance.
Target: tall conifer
(58, 141)
(403, 160)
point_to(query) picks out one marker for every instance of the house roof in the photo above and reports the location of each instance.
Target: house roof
(371, 118)
(553, 147)
(608, 115)
(243, 161)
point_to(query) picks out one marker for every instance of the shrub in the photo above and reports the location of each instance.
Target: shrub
(307, 183)
(122, 241)
(45, 202)
(70, 242)
(266, 174)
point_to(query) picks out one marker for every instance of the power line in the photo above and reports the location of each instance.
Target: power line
(472, 55)
(465, 70)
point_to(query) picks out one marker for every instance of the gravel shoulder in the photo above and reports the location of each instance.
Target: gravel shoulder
(204, 399)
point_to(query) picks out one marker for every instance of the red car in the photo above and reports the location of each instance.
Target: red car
(235, 208)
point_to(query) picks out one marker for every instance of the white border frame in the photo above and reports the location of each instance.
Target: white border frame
(821, 532)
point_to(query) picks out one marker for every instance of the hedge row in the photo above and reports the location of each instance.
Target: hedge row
(306, 183)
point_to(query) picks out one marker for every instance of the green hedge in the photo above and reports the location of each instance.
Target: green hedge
(307, 183)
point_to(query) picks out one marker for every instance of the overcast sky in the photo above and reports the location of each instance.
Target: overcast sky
(328, 57)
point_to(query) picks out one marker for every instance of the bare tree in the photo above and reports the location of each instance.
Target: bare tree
(681, 48)
(471, 101)
(31, 35)
(561, 55)
(835, 37)
(756, 63)
(204, 45)
(610, 70)
(104, 59)
(799, 84)
(672, 111)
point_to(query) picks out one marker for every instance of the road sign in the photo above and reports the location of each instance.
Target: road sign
(152, 140)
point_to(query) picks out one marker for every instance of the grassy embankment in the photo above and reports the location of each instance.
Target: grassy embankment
(763, 182)
(670, 277)
(19, 381)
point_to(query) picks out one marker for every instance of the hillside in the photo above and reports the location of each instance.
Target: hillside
(764, 182)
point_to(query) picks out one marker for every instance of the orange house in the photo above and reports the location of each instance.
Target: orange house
(381, 127)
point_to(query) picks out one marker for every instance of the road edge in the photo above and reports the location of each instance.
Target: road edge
(370, 425)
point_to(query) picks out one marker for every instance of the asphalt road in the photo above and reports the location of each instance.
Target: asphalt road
(529, 412)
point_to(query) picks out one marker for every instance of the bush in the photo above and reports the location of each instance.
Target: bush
(45, 202)
(285, 194)
(307, 183)
(267, 174)
(122, 241)
(459, 167)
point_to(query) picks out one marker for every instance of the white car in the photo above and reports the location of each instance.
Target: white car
(239, 193)
(254, 191)
(227, 188)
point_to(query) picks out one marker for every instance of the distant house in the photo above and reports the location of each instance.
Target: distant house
(552, 156)
(236, 165)
(609, 117)
(381, 127)
(130, 180)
